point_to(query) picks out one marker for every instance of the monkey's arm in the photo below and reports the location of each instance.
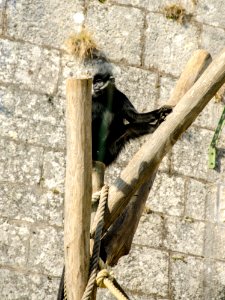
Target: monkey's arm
(132, 116)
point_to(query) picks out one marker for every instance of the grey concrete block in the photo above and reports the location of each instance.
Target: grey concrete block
(184, 235)
(219, 281)
(157, 6)
(117, 31)
(168, 44)
(167, 195)
(36, 68)
(149, 231)
(210, 115)
(166, 85)
(17, 103)
(34, 132)
(41, 22)
(54, 171)
(186, 277)
(2, 12)
(138, 85)
(144, 270)
(221, 203)
(46, 251)
(190, 156)
(20, 163)
(13, 243)
(31, 204)
(104, 294)
(196, 199)
(212, 39)
(18, 286)
(211, 12)
(219, 243)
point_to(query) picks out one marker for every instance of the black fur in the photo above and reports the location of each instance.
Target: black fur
(115, 121)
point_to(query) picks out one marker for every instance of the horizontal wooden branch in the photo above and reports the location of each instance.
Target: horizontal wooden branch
(147, 159)
(118, 239)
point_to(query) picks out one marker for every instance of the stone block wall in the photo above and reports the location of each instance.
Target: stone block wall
(179, 248)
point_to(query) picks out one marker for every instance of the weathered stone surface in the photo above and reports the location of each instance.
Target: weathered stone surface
(104, 294)
(41, 22)
(17, 286)
(211, 12)
(210, 116)
(149, 231)
(139, 86)
(20, 162)
(176, 44)
(17, 103)
(196, 199)
(219, 281)
(13, 243)
(117, 31)
(167, 195)
(190, 155)
(158, 5)
(221, 203)
(219, 243)
(2, 11)
(186, 277)
(166, 85)
(144, 270)
(179, 231)
(31, 204)
(29, 131)
(212, 39)
(54, 171)
(36, 68)
(46, 250)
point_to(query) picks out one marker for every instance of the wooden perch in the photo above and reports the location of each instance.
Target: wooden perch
(146, 161)
(117, 241)
(77, 186)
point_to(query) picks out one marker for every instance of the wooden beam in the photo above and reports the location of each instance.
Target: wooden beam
(78, 186)
(118, 239)
(146, 160)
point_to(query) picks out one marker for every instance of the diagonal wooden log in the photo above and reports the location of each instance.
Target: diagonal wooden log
(146, 160)
(118, 239)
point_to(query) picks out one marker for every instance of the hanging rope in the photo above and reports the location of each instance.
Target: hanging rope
(104, 278)
(97, 243)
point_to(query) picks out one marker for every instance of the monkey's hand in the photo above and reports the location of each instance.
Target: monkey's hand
(164, 111)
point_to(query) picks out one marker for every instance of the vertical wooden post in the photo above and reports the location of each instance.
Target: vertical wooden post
(78, 186)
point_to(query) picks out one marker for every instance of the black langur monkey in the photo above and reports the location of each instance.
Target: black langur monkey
(115, 121)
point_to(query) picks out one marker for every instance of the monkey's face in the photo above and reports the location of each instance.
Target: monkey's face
(100, 84)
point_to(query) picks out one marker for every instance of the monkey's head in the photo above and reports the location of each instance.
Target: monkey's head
(102, 82)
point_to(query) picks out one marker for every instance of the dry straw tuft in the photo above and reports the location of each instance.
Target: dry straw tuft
(81, 45)
(175, 12)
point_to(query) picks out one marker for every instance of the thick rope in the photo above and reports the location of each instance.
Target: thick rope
(95, 197)
(97, 243)
(105, 280)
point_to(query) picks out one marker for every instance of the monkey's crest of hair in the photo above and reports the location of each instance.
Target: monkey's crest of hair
(81, 45)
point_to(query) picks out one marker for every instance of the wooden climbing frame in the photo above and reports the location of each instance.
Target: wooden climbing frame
(198, 83)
